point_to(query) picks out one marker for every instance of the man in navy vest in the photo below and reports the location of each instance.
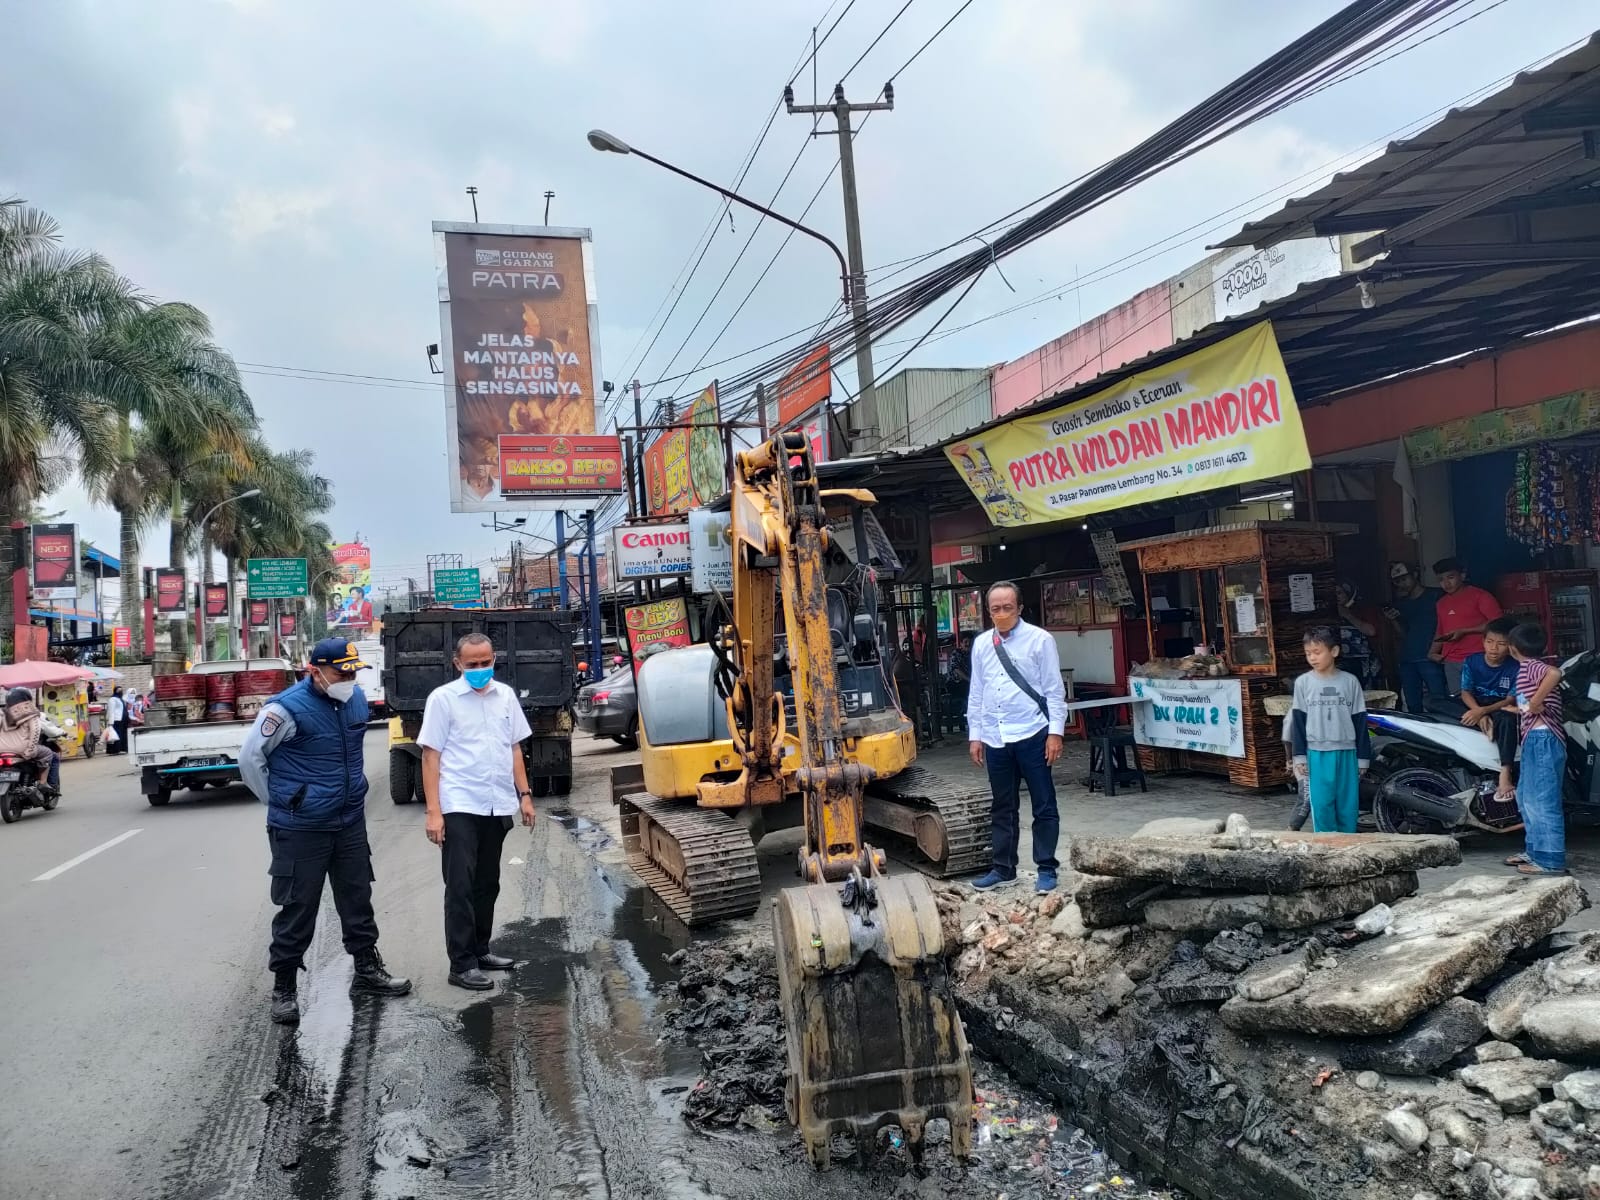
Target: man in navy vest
(303, 759)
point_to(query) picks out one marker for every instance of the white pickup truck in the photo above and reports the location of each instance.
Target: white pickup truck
(198, 754)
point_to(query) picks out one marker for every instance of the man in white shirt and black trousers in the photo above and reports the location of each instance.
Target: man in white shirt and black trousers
(1016, 715)
(474, 781)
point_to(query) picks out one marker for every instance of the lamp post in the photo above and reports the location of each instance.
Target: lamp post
(233, 645)
(610, 143)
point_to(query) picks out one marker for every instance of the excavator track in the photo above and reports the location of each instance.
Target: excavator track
(700, 861)
(938, 829)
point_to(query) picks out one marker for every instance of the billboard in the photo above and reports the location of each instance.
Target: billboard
(519, 346)
(351, 604)
(805, 387)
(539, 465)
(665, 623)
(260, 612)
(286, 622)
(649, 551)
(217, 603)
(55, 562)
(685, 467)
(1222, 415)
(171, 591)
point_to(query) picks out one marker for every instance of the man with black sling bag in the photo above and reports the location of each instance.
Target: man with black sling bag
(1016, 715)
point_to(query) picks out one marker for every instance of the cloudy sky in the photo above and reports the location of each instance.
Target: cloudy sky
(277, 162)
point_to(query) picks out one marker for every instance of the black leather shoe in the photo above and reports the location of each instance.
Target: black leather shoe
(495, 962)
(472, 979)
(285, 1003)
(371, 976)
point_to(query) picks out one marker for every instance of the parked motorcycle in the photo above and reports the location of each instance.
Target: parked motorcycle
(23, 785)
(1432, 774)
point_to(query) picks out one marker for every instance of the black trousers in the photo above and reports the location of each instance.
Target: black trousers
(470, 860)
(301, 861)
(1507, 726)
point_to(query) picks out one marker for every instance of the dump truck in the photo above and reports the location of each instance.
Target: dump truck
(533, 657)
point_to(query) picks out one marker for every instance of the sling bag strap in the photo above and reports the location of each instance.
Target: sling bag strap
(1010, 667)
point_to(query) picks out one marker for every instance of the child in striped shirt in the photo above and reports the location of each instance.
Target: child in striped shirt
(1543, 771)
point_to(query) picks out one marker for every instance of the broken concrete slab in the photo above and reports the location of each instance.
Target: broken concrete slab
(1287, 910)
(1516, 1084)
(1279, 861)
(1439, 945)
(1273, 978)
(1180, 827)
(1105, 902)
(1565, 1026)
(1495, 1052)
(1509, 999)
(1422, 1047)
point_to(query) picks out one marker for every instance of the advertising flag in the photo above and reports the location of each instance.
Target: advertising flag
(217, 603)
(1219, 416)
(55, 562)
(172, 593)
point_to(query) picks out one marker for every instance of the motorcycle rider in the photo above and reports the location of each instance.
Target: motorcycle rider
(21, 730)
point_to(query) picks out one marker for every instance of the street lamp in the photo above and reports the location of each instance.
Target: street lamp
(233, 645)
(611, 144)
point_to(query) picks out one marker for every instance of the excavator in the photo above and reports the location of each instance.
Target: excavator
(787, 716)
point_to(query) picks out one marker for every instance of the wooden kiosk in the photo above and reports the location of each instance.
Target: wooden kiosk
(1249, 592)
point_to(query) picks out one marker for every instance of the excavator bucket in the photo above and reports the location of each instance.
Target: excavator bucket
(874, 1038)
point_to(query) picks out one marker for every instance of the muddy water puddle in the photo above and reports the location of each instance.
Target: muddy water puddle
(560, 1084)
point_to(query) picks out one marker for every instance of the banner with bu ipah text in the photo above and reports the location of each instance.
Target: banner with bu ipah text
(1222, 415)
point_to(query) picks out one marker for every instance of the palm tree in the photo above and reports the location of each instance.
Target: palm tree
(280, 522)
(199, 412)
(55, 379)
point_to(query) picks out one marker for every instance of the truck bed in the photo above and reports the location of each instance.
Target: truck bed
(186, 756)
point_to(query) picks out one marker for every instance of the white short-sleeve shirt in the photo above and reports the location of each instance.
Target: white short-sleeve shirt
(474, 732)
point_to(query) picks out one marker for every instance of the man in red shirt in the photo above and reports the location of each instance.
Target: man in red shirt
(1465, 610)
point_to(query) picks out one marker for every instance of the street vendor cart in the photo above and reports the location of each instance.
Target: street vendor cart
(1226, 610)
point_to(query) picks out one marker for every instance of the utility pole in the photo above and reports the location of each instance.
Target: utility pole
(473, 192)
(548, 196)
(867, 403)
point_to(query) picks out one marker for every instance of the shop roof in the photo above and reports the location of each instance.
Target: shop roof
(1490, 233)
(1480, 159)
(1184, 535)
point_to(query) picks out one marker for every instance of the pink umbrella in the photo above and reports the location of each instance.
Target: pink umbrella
(40, 674)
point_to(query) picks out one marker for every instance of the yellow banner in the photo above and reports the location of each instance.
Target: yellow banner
(1219, 416)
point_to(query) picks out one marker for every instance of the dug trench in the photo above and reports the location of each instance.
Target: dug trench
(621, 1059)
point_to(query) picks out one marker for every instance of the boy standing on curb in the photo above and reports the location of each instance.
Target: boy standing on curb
(1544, 756)
(1329, 730)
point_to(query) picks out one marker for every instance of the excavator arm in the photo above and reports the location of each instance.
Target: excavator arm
(872, 1032)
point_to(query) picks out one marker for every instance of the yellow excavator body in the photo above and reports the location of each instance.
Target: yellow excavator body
(872, 1031)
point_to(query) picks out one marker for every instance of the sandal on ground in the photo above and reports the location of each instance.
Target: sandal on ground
(1516, 860)
(1533, 868)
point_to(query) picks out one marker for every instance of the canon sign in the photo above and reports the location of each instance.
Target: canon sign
(645, 551)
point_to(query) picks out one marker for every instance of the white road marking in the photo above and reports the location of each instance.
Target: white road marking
(84, 857)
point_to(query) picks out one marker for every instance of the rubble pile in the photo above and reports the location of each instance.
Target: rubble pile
(1291, 994)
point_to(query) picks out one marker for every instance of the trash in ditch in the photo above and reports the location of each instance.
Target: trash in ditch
(1022, 1147)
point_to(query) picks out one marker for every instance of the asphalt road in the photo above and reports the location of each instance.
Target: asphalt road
(139, 1062)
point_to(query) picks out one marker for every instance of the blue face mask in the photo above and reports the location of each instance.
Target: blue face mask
(478, 677)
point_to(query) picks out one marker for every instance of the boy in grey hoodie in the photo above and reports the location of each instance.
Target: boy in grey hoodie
(1329, 734)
